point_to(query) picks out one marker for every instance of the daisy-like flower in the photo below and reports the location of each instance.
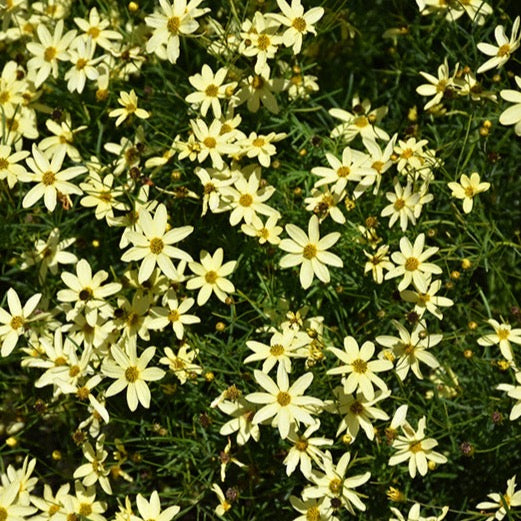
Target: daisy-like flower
(411, 348)
(84, 502)
(333, 484)
(9, 167)
(414, 446)
(359, 367)
(427, 300)
(503, 50)
(131, 373)
(352, 167)
(128, 101)
(311, 509)
(12, 323)
(22, 477)
(174, 19)
(153, 244)
(182, 363)
(50, 178)
(210, 89)
(305, 450)
(403, 205)
(297, 21)
(94, 470)
(511, 497)
(87, 291)
(286, 405)
(503, 335)
(258, 89)
(414, 512)
(266, 232)
(247, 198)
(10, 508)
(62, 137)
(151, 510)
(512, 115)
(283, 346)
(410, 263)
(174, 313)
(437, 86)
(83, 69)
(362, 120)
(310, 251)
(377, 263)
(242, 413)
(47, 53)
(357, 412)
(96, 30)
(224, 505)
(513, 391)
(211, 276)
(261, 147)
(102, 196)
(213, 181)
(467, 189)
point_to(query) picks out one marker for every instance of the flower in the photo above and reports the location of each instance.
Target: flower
(467, 188)
(96, 30)
(415, 447)
(224, 505)
(128, 100)
(181, 364)
(10, 509)
(258, 89)
(411, 348)
(211, 276)
(151, 510)
(51, 178)
(410, 262)
(82, 57)
(9, 167)
(437, 87)
(503, 335)
(297, 21)
(48, 51)
(131, 373)
(512, 115)
(12, 323)
(427, 300)
(102, 196)
(333, 484)
(310, 252)
(503, 50)
(513, 391)
(266, 232)
(305, 450)
(286, 405)
(414, 512)
(311, 509)
(95, 470)
(361, 371)
(261, 147)
(377, 263)
(242, 413)
(210, 88)
(153, 244)
(403, 205)
(511, 498)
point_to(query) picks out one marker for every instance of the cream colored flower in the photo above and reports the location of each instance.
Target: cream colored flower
(467, 189)
(503, 335)
(286, 405)
(427, 300)
(512, 115)
(513, 391)
(503, 50)
(182, 363)
(211, 276)
(131, 373)
(310, 251)
(404, 202)
(9, 167)
(129, 101)
(151, 510)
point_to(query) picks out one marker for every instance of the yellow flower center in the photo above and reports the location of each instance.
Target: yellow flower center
(173, 24)
(80, 64)
(377, 165)
(4, 97)
(361, 121)
(335, 485)
(93, 32)
(412, 263)
(3, 514)
(72, 517)
(209, 188)
(399, 204)
(17, 322)
(407, 153)
(106, 197)
(258, 142)
(131, 374)
(211, 91)
(85, 509)
(211, 277)
(245, 200)
(132, 319)
(53, 509)
(83, 393)
(48, 178)
(469, 191)
(441, 86)
(359, 366)
(257, 82)
(310, 251)
(174, 315)
(299, 24)
(302, 444)
(263, 42)
(209, 142)
(423, 298)
(415, 447)
(49, 54)
(74, 371)
(283, 398)
(130, 107)
(343, 171)
(503, 333)
(313, 514)
(156, 245)
(277, 350)
(504, 50)
(61, 360)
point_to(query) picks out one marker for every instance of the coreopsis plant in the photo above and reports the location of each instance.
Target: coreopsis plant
(513, 391)
(504, 336)
(129, 103)
(512, 115)
(502, 503)
(467, 189)
(310, 252)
